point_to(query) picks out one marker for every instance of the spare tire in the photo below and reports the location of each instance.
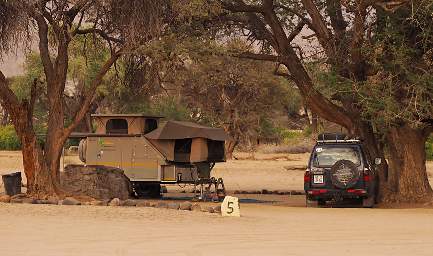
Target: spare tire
(344, 174)
(82, 148)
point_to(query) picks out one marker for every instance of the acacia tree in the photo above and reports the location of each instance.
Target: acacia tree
(124, 25)
(343, 30)
(235, 94)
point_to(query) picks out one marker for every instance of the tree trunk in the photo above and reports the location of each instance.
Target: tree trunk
(408, 176)
(40, 183)
(376, 150)
(230, 148)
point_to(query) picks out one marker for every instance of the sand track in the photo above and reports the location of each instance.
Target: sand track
(281, 228)
(263, 230)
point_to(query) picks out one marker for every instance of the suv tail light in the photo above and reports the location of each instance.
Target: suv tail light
(367, 176)
(307, 176)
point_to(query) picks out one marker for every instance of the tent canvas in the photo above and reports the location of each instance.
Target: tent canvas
(189, 142)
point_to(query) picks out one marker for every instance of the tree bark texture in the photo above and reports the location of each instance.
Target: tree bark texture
(408, 177)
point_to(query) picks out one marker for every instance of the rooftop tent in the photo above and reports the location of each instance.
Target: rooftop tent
(188, 142)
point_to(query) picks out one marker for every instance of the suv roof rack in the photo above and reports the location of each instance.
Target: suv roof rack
(335, 138)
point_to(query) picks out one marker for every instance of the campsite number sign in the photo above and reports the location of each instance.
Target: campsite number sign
(230, 207)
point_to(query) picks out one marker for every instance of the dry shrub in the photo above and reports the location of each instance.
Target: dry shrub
(303, 146)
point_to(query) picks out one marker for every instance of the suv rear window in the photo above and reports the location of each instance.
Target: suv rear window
(328, 156)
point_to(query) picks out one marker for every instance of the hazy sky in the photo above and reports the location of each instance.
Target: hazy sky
(12, 64)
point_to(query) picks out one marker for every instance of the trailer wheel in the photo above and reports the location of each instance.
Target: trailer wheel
(146, 190)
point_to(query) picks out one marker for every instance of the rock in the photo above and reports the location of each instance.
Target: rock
(19, 196)
(46, 201)
(186, 206)
(29, 201)
(5, 199)
(237, 192)
(100, 182)
(230, 207)
(60, 202)
(142, 203)
(16, 200)
(114, 202)
(174, 206)
(152, 204)
(129, 202)
(208, 209)
(265, 192)
(98, 203)
(86, 203)
(196, 208)
(70, 201)
(217, 209)
(161, 205)
(52, 200)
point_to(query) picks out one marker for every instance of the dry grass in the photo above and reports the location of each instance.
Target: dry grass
(297, 147)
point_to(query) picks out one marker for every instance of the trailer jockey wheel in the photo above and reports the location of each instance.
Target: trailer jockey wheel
(147, 190)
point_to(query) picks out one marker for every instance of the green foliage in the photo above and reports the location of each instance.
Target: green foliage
(429, 148)
(172, 109)
(8, 138)
(288, 136)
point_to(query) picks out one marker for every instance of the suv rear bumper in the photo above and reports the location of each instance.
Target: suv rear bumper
(328, 194)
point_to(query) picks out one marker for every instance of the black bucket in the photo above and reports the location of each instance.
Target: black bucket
(12, 183)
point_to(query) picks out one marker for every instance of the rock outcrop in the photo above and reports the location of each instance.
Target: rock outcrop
(100, 182)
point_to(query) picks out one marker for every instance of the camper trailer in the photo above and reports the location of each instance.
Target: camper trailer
(151, 152)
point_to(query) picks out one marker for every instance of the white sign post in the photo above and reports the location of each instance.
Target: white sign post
(230, 207)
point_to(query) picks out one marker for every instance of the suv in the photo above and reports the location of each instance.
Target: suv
(340, 169)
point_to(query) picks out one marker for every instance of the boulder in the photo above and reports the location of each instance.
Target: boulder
(5, 199)
(100, 182)
(16, 200)
(29, 201)
(142, 203)
(217, 209)
(161, 205)
(114, 202)
(186, 206)
(174, 206)
(98, 203)
(208, 209)
(196, 208)
(70, 201)
(129, 202)
(19, 196)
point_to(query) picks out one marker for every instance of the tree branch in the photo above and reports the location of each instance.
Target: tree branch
(43, 45)
(100, 33)
(256, 56)
(241, 6)
(8, 97)
(89, 95)
(296, 31)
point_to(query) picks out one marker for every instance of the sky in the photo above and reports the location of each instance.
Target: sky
(12, 64)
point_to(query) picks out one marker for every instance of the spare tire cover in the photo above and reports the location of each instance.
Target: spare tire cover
(82, 148)
(344, 174)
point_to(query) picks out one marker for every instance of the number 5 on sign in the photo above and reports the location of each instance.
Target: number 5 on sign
(230, 207)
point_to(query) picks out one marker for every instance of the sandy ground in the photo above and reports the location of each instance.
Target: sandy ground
(270, 224)
(262, 230)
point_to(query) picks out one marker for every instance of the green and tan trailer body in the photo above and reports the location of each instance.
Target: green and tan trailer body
(150, 155)
(137, 157)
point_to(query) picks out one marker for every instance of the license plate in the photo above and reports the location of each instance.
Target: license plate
(318, 179)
